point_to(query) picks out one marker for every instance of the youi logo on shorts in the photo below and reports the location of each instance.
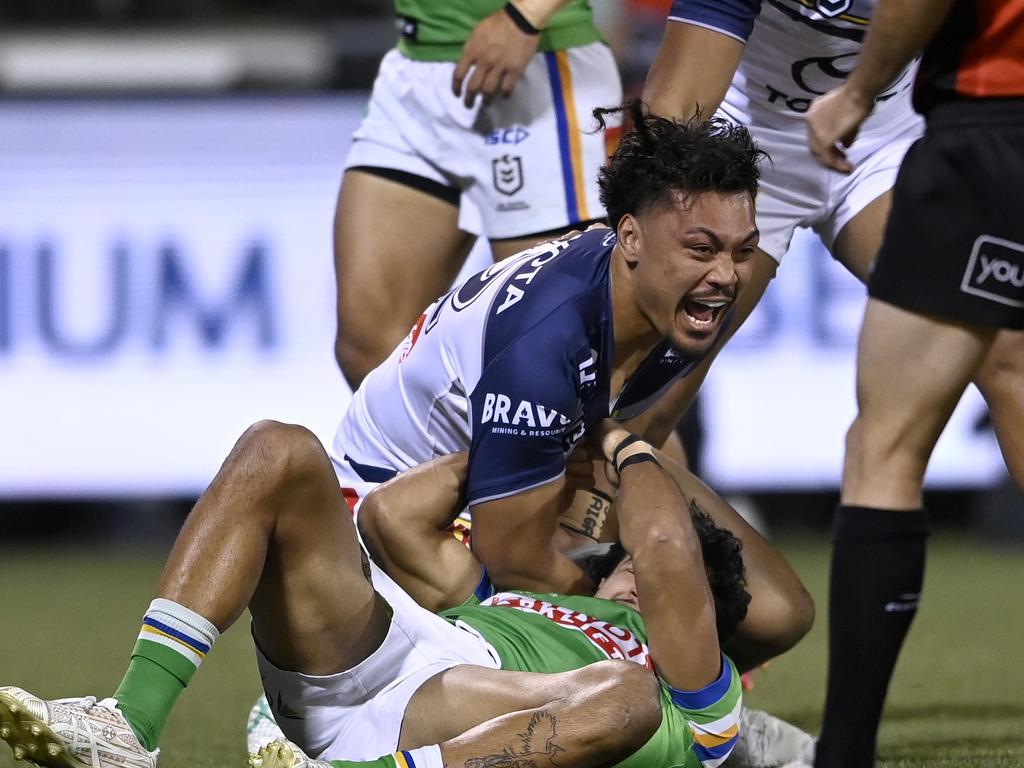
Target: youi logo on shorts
(995, 271)
(521, 417)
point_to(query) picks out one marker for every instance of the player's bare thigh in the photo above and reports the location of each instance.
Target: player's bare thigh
(314, 609)
(857, 244)
(396, 249)
(911, 371)
(1001, 381)
(1001, 375)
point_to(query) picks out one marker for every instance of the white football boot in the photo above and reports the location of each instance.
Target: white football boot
(70, 733)
(768, 742)
(284, 754)
(261, 728)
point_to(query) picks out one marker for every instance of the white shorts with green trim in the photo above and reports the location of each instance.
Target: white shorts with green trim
(524, 164)
(357, 714)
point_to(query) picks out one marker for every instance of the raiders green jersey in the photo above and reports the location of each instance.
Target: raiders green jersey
(436, 30)
(558, 633)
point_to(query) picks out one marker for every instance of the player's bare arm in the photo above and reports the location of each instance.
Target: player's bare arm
(899, 31)
(672, 586)
(404, 526)
(514, 537)
(781, 610)
(500, 47)
(691, 71)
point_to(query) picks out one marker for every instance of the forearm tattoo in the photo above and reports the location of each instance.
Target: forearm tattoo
(536, 747)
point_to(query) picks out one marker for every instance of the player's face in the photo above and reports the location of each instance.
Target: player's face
(693, 258)
(620, 584)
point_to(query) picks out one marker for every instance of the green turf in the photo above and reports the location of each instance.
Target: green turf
(70, 619)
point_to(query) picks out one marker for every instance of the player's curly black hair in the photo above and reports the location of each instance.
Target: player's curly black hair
(723, 563)
(660, 155)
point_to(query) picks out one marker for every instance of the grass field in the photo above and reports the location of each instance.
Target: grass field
(70, 618)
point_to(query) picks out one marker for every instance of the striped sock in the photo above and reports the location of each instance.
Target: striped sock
(172, 643)
(424, 757)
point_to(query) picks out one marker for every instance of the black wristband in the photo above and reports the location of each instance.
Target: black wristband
(625, 443)
(520, 21)
(636, 458)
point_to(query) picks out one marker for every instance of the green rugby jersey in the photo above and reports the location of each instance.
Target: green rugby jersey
(436, 30)
(558, 633)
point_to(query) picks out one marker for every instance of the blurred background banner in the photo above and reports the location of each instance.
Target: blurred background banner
(168, 175)
(166, 278)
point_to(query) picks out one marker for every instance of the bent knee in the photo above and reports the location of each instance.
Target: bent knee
(282, 450)
(876, 447)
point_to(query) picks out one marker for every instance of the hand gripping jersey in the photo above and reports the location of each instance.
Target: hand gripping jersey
(795, 50)
(513, 365)
(558, 633)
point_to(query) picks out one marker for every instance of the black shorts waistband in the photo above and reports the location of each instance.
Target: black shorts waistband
(976, 112)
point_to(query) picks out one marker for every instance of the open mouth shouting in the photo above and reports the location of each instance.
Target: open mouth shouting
(704, 313)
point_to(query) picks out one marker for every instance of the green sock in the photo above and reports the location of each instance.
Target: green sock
(172, 643)
(153, 682)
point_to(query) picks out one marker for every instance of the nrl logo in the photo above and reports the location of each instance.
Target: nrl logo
(508, 174)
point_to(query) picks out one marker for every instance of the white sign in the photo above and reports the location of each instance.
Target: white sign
(166, 279)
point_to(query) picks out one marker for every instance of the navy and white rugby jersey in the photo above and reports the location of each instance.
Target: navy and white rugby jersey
(514, 365)
(795, 50)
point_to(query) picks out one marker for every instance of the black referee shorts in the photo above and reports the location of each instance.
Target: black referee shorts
(954, 244)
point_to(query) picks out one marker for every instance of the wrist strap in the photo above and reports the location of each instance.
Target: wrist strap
(625, 443)
(520, 21)
(631, 448)
(636, 458)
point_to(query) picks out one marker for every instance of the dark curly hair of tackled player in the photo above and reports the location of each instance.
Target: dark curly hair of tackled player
(723, 564)
(660, 156)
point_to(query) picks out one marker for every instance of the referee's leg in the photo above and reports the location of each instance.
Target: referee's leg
(911, 371)
(1001, 381)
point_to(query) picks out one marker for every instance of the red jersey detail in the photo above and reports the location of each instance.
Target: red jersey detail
(993, 62)
(412, 338)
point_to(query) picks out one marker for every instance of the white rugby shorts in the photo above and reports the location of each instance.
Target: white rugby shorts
(525, 164)
(797, 191)
(357, 714)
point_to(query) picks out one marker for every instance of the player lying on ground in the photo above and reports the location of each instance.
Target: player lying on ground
(405, 525)
(546, 678)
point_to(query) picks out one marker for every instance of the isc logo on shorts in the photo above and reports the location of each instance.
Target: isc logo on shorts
(995, 271)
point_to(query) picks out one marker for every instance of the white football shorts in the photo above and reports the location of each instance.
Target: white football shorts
(797, 191)
(526, 164)
(357, 714)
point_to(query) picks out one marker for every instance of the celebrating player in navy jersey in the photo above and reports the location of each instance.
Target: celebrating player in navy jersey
(519, 362)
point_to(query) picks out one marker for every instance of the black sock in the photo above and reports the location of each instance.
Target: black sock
(877, 573)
